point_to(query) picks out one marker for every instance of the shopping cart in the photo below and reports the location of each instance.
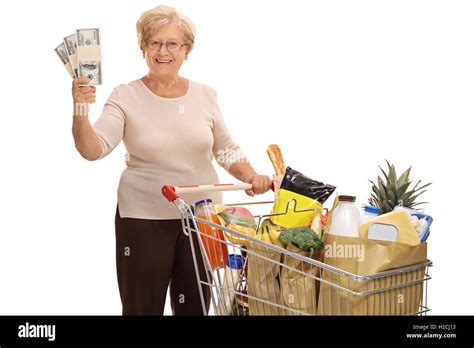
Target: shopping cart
(277, 281)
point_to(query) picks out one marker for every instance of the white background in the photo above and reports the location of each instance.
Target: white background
(339, 85)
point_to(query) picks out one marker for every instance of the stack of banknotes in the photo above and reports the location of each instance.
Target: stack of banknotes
(80, 55)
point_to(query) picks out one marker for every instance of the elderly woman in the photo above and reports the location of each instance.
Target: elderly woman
(172, 129)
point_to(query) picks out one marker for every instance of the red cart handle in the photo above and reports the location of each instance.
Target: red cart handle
(172, 192)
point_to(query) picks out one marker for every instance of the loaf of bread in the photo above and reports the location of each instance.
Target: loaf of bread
(276, 157)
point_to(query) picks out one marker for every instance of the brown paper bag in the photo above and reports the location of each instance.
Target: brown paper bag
(366, 257)
(262, 280)
(299, 284)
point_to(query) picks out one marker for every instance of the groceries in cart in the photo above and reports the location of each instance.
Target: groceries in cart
(237, 219)
(212, 237)
(394, 226)
(345, 217)
(306, 259)
(297, 198)
(390, 214)
(387, 259)
(270, 233)
(391, 193)
(303, 238)
(369, 212)
(420, 221)
(232, 276)
(276, 157)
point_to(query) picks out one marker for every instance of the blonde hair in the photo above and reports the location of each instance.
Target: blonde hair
(151, 20)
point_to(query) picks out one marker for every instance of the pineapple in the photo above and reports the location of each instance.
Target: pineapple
(394, 191)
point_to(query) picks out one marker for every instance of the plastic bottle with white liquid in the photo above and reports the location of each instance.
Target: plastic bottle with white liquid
(232, 273)
(369, 213)
(346, 218)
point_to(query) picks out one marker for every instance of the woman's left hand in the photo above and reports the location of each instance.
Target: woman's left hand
(260, 184)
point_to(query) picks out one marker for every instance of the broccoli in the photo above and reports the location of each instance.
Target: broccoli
(302, 237)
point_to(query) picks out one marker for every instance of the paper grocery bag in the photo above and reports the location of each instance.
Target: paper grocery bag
(342, 295)
(299, 281)
(262, 280)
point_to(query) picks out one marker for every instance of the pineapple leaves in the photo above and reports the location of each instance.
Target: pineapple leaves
(386, 207)
(384, 174)
(409, 202)
(375, 189)
(402, 191)
(389, 192)
(419, 203)
(382, 187)
(403, 179)
(375, 201)
(422, 187)
(415, 190)
(392, 173)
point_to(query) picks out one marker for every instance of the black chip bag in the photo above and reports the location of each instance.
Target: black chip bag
(297, 193)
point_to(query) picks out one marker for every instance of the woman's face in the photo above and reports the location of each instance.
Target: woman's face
(165, 61)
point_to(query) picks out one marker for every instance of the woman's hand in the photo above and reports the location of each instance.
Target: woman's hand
(82, 94)
(243, 171)
(260, 184)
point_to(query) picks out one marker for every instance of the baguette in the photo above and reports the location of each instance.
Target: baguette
(276, 157)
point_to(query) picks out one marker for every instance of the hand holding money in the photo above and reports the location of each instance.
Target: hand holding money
(83, 94)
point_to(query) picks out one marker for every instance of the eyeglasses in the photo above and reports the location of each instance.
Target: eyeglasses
(171, 46)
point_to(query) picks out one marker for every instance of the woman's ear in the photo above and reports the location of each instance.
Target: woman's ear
(143, 54)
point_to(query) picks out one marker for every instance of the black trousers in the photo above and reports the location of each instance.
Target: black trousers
(152, 255)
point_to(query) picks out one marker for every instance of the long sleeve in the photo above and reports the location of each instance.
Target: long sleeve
(169, 141)
(225, 150)
(110, 126)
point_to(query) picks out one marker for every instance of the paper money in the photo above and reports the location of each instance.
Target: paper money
(62, 54)
(89, 56)
(71, 48)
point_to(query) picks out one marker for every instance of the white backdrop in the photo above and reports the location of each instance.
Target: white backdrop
(339, 85)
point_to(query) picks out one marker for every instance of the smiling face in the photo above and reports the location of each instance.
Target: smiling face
(164, 63)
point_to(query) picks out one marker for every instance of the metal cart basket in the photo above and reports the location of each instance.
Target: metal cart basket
(277, 281)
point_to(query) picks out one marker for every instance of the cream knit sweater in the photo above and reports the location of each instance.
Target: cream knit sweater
(168, 141)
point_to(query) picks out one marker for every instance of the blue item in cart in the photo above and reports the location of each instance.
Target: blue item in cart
(235, 261)
(371, 209)
(426, 230)
(208, 200)
(425, 236)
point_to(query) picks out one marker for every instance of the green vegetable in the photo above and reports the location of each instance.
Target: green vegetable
(231, 219)
(302, 237)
